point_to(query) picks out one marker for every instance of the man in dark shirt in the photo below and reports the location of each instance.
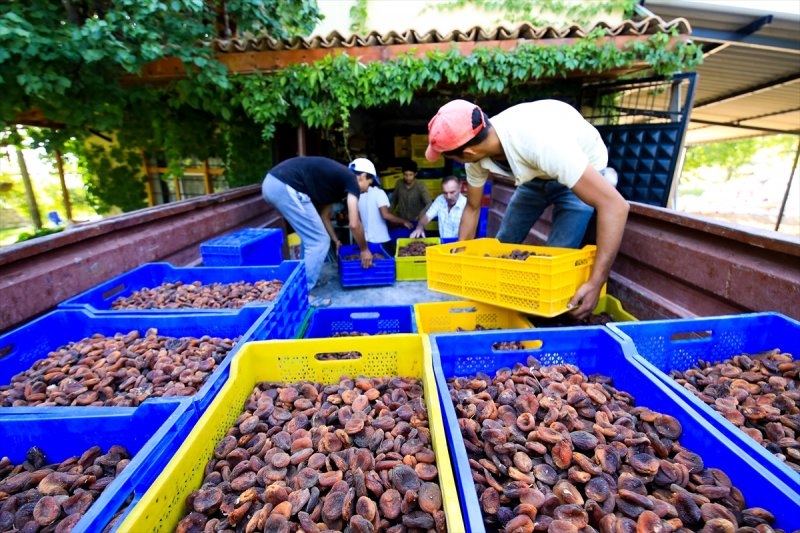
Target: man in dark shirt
(303, 189)
(411, 197)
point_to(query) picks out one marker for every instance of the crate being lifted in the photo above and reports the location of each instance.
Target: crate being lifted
(537, 280)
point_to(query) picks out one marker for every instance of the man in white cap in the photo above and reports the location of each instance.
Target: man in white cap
(373, 206)
(303, 189)
(555, 157)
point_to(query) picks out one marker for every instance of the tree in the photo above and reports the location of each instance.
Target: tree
(732, 156)
(728, 155)
(76, 62)
(65, 61)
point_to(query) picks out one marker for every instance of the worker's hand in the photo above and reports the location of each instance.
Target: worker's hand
(584, 301)
(417, 233)
(366, 259)
(337, 244)
(408, 224)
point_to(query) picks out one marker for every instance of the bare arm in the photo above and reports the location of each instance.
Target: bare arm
(357, 229)
(612, 213)
(471, 214)
(325, 215)
(419, 231)
(391, 217)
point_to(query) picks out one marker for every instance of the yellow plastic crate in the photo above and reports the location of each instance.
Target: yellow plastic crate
(419, 143)
(541, 285)
(412, 268)
(288, 361)
(390, 181)
(438, 317)
(612, 306)
(434, 186)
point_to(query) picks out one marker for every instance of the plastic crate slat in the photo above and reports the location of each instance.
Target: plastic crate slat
(541, 285)
(596, 349)
(666, 345)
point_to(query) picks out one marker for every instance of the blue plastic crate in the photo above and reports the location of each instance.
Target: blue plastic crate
(246, 247)
(99, 299)
(666, 345)
(399, 233)
(151, 433)
(595, 349)
(21, 347)
(382, 271)
(329, 321)
(483, 222)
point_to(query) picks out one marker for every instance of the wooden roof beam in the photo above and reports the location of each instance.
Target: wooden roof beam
(271, 60)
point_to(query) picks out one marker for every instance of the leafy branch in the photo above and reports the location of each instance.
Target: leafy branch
(67, 62)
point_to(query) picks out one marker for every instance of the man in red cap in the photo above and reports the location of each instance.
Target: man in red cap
(555, 157)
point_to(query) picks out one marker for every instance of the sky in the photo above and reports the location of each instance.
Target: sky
(782, 6)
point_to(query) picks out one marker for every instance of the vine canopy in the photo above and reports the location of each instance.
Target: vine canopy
(68, 60)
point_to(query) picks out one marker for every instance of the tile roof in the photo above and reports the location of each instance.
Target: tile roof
(523, 31)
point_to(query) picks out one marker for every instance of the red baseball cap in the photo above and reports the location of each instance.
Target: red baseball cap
(452, 127)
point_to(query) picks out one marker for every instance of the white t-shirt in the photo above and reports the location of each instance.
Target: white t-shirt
(546, 139)
(369, 208)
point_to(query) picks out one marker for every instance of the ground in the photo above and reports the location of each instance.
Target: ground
(399, 293)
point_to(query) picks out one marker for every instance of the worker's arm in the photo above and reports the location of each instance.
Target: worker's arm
(357, 229)
(388, 216)
(612, 213)
(325, 215)
(419, 231)
(471, 214)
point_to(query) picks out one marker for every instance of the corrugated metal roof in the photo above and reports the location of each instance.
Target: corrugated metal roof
(749, 81)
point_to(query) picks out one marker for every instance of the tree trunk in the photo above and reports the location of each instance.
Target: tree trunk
(64, 191)
(33, 208)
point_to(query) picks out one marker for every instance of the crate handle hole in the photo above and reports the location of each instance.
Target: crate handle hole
(364, 315)
(690, 335)
(338, 356)
(471, 309)
(523, 345)
(6, 350)
(458, 249)
(113, 291)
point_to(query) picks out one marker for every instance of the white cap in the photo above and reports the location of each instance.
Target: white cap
(363, 164)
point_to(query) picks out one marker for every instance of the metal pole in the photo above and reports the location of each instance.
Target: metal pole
(788, 186)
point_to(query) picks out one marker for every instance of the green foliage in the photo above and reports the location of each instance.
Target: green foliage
(358, 16)
(732, 156)
(77, 62)
(66, 59)
(116, 182)
(324, 93)
(25, 236)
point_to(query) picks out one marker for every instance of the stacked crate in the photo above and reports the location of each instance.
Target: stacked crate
(246, 247)
(53, 368)
(594, 350)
